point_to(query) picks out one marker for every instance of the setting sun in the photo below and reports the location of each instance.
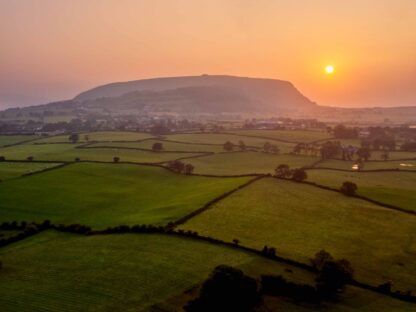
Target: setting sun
(329, 69)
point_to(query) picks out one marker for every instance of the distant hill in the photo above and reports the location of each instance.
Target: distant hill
(204, 93)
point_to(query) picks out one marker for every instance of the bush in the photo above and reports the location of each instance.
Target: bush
(349, 188)
(116, 159)
(299, 175)
(2, 158)
(156, 147)
(30, 158)
(333, 277)
(227, 289)
(228, 146)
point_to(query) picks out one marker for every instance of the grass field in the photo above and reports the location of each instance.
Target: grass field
(61, 272)
(99, 136)
(167, 146)
(369, 165)
(13, 139)
(210, 138)
(104, 195)
(395, 188)
(303, 136)
(300, 219)
(247, 162)
(68, 152)
(9, 170)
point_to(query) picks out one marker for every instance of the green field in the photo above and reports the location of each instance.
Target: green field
(369, 165)
(395, 188)
(300, 219)
(13, 139)
(68, 152)
(167, 146)
(247, 162)
(10, 170)
(104, 195)
(211, 138)
(99, 136)
(301, 136)
(62, 272)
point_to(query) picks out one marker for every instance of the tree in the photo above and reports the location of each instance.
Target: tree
(342, 132)
(331, 149)
(2, 158)
(228, 146)
(189, 168)
(156, 147)
(176, 165)
(282, 171)
(364, 152)
(116, 159)
(227, 289)
(333, 276)
(30, 158)
(320, 258)
(241, 145)
(74, 137)
(299, 175)
(77, 159)
(349, 188)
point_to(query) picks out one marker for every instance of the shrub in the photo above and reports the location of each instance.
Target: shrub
(30, 158)
(176, 165)
(333, 276)
(156, 147)
(228, 146)
(116, 159)
(227, 289)
(349, 188)
(2, 158)
(299, 175)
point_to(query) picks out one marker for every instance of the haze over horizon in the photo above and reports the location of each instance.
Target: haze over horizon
(55, 49)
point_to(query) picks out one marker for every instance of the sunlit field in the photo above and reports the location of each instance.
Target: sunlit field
(10, 170)
(299, 220)
(13, 139)
(102, 195)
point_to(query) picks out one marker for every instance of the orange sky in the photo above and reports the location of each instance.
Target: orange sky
(53, 49)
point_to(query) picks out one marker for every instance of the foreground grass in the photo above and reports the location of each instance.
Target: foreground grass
(9, 170)
(247, 162)
(103, 195)
(62, 272)
(68, 152)
(395, 188)
(13, 139)
(300, 220)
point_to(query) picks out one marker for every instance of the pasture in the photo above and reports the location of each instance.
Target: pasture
(297, 136)
(394, 188)
(124, 272)
(102, 195)
(247, 162)
(99, 136)
(9, 170)
(68, 152)
(13, 139)
(299, 220)
(167, 146)
(369, 165)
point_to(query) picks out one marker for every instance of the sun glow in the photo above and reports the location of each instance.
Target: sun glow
(329, 69)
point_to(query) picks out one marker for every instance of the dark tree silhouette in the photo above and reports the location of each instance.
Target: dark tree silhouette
(30, 158)
(176, 165)
(2, 158)
(349, 188)
(116, 159)
(320, 258)
(227, 289)
(364, 153)
(156, 147)
(333, 277)
(282, 171)
(241, 146)
(299, 175)
(74, 137)
(189, 168)
(228, 146)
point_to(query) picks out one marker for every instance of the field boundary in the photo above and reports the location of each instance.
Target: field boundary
(209, 204)
(328, 188)
(149, 229)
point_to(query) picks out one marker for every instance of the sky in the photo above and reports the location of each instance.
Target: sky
(54, 49)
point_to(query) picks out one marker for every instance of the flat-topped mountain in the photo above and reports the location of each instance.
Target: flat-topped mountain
(204, 93)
